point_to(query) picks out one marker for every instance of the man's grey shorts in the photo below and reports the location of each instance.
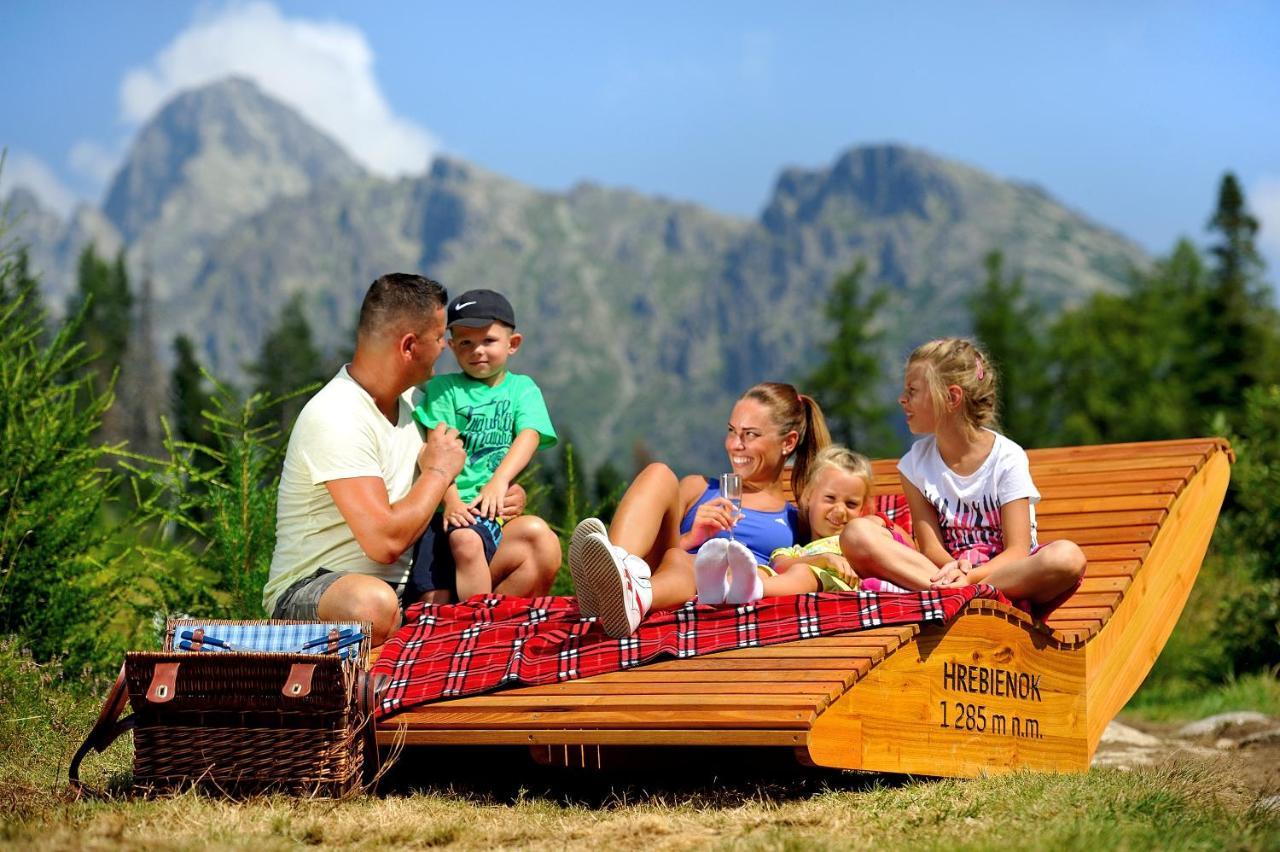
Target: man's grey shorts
(301, 600)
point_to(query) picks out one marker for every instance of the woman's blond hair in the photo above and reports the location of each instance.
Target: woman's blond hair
(956, 361)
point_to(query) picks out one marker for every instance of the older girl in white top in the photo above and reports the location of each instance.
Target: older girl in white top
(970, 491)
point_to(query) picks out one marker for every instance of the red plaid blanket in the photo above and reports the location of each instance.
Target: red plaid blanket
(895, 508)
(451, 650)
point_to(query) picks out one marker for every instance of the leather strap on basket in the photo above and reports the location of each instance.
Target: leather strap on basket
(370, 691)
(105, 731)
(298, 684)
(164, 680)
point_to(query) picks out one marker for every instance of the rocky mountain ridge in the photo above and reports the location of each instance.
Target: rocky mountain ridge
(644, 317)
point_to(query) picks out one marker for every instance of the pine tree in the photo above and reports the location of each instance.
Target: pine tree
(142, 384)
(52, 477)
(1010, 329)
(288, 363)
(101, 316)
(18, 287)
(189, 394)
(1241, 321)
(847, 382)
(1126, 363)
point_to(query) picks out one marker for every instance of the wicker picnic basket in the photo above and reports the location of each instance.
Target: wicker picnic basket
(241, 723)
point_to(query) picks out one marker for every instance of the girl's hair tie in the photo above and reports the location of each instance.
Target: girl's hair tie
(981, 373)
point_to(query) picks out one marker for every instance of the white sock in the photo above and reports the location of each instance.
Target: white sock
(745, 585)
(711, 571)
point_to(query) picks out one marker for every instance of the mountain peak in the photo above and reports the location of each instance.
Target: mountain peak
(245, 147)
(886, 180)
(209, 158)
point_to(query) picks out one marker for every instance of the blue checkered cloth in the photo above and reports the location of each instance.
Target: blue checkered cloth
(284, 638)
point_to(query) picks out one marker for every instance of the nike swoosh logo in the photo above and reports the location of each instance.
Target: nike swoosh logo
(780, 521)
(462, 305)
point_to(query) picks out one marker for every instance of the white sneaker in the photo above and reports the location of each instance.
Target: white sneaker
(621, 597)
(586, 597)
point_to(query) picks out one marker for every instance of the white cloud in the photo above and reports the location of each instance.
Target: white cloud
(25, 170)
(93, 162)
(322, 69)
(1264, 199)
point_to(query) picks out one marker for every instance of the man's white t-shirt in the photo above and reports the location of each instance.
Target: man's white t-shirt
(340, 434)
(968, 507)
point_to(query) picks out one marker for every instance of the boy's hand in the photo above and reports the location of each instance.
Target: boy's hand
(456, 513)
(953, 575)
(488, 503)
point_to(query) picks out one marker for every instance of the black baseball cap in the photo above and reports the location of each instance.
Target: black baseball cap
(478, 308)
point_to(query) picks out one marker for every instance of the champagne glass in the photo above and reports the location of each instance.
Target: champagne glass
(731, 490)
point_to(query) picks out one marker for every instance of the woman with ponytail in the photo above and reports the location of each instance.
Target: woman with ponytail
(645, 560)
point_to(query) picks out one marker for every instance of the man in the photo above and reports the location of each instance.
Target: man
(360, 485)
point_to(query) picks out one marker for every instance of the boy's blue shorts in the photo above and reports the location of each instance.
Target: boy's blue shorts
(433, 566)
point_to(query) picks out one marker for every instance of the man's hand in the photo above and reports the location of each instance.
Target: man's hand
(443, 453)
(513, 502)
(488, 503)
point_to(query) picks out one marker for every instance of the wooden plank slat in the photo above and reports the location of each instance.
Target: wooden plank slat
(1101, 535)
(646, 674)
(718, 662)
(1114, 552)
(1149, 481)
(753, 718)
(1071, 610)
(556, 737)
(1166, 481)
(1119, 570)
(1099, 599)
(1097, 520)
(1100, 584)
(1124, 503)
(811, 690)
(522, 701)
(1084, 465)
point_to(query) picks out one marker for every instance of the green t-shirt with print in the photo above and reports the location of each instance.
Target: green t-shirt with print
(489, 418)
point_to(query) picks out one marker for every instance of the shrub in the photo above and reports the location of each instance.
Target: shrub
(52, 476)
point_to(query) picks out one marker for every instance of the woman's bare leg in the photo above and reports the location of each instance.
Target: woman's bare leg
(1042, 576)
(873, 552)
(647, 521)
(673, 580)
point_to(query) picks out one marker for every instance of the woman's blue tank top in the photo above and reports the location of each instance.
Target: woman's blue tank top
(761, 532)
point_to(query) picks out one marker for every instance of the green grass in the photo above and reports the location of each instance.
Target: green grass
(762, 801)
(1170, 700)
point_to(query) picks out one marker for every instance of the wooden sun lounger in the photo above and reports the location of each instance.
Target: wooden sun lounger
(991, 692)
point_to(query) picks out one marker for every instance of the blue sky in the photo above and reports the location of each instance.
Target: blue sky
(1128, 112)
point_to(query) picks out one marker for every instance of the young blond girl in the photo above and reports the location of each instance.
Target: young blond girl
(839, 488)
(970, 492)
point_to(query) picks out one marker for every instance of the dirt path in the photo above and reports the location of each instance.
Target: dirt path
(1248, 743)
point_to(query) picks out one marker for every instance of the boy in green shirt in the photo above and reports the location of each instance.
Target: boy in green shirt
(503, 421)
